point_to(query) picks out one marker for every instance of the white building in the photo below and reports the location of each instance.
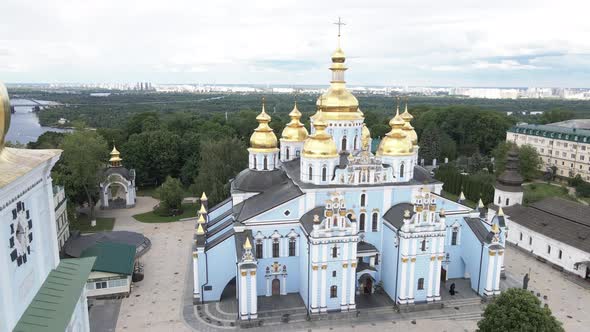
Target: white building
(61, 216)
(33, 294)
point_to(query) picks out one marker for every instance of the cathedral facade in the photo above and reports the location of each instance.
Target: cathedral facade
(319, 215)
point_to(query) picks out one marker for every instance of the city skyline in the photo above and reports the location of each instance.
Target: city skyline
(512, 44)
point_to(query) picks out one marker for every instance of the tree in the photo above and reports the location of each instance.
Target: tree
(430, 144)
(556, 115)
(518, 310)
(47, 140)
(171, 194)
(84, 157)
(529, 161)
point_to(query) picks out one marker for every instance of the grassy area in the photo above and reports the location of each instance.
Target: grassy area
(189, 210)
(83, 224)
(534, 192)
(153, 192)
(454, 198)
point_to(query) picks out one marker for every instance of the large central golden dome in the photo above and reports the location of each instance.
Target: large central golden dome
(295, 130)
(337, 103)
(4, 114)
(263, 139)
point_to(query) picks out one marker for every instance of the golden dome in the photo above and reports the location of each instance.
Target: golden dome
(320, 144)
(295, 130)
(395, 142)
(115, 157)
(406, 115)
(411, 133)
(263, 138)
(365, 136)
(4, 114)
(337, 102)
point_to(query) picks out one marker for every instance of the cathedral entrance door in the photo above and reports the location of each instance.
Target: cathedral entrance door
(276, 287)
(368, 286)
(443, 274)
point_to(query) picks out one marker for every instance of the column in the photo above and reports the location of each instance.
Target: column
(352, 281)
(412, 269)
(284, 285)
(196, 286)
(343, 298)
(323, 290)
(499, 262)
(243, 296)
(404, 267)
(314, 278)
(490, 274)
(268, 286)
(431, 269)
(253, 296)
(267, 248)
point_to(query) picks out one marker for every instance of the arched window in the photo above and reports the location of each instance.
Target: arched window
(259, 249)
(454, 236)
(297, 153)
(292, 246)
(421, 283)
(255, 162)
(363, 199)
(287, 153)
(335, 221)
(499, 200)
(507, 201)
(324, 173)
(401, 170)
(275, 248)
(355, 143)
(362, 223)
(333, 291)
(265, 166)
(310, 173)
(374, 221)
(423, 245)
(344, 143)
(335, 252)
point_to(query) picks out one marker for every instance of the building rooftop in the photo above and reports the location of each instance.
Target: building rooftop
(553, 131)
(52, 308)
(15, 163)
(112, 257)
(575, 123)
(557, 218)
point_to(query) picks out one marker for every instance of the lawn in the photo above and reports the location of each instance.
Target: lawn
(83, 224)
(189, 210)
(153, 192)
(537, 191)
(454, 198)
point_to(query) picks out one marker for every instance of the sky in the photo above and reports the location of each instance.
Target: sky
(515, 43)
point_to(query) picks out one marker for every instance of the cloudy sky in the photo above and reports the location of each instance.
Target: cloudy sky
(388, 42)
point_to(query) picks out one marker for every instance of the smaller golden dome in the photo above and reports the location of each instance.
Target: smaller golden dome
(338, 56)
(115, 157)
(406, 115)
(395, 142)
(295, 131)
(263, 138)
(320, 144)
(365, 136)
(411, 133)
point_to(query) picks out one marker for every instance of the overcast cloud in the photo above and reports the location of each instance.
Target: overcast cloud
(413, 42)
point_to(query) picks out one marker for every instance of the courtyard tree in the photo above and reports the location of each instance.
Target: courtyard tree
(84, 156)
(171, 194)
(529, 160)
(518, 310)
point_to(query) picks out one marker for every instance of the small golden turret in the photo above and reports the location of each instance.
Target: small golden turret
(365, 137)
(408, 129)
(247, 244)
(201, 219)
(203, 197)
(202, 210)
(295, 130)
(263, 139)
(320, 144)
(200, 230)
(115, 157)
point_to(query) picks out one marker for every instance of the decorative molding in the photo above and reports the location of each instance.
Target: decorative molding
(500, 253)
(353, 265)
(492, 253)
(324, 267)
(432, 258)
(21, 194)
(314, 267)
(244, 273)
(252, 273)
(404, 259)
(345, 265)
(413, 259)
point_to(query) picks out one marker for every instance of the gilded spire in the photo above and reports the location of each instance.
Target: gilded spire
(295, 130)
(4, 114)
(200, 230)
(495, 228)
(201, 219)
(115, 157)
(263, 139)
(407, 128)
(500, 212)
(203, 197)
(202, 210)
(247, 244)
(406, 115)
(480, 204)
(461, 196)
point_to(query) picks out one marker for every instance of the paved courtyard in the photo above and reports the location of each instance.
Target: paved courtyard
(163, 300)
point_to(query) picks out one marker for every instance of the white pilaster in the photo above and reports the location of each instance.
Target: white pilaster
(490, 275)
(268, 286)
(411, 286)
(314, 279)
(404, 266)
(344, 271)
(499, 262)
(323, 291)
(431, 269)
(284, 284)
(243, 296)
(196, 285)
(253, 296)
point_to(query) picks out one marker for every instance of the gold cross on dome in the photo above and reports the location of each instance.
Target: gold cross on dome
(339, 24)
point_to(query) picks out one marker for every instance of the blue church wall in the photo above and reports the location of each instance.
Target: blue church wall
(389, 263)
(278, 213)
(221, 263)
(333, 303)
(220, 231)
(421, 270)
(220, 210)
(402, 194)
(471, 253)
(304, 269)
(455, 268)
(293, 273)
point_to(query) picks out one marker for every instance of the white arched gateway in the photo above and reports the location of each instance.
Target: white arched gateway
(118, 188)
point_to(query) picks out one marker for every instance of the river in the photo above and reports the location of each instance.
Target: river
(24, 123)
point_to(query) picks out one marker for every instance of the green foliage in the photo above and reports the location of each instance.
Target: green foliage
(582, 187)
(538, 191)
(47, 140)
(80, 171)
(475, 186)
(556, 115)
(188, 210)
(518, 310)
(220, 161)
(171, 194)
(430, 144)
(529, 160)
(83, 224)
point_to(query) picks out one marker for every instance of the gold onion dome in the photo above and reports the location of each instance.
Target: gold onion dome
(115, 159)
(4, 114)
(365, 135)
(295, 130)
(337, 102)
(408, 129)
(395, 142)
(320, 144)
(263, 138)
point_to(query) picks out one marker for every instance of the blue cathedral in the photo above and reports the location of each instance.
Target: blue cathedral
(319, 215)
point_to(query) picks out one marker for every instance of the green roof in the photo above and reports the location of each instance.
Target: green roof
(53, 305)
(112, 257)
(553, 132)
